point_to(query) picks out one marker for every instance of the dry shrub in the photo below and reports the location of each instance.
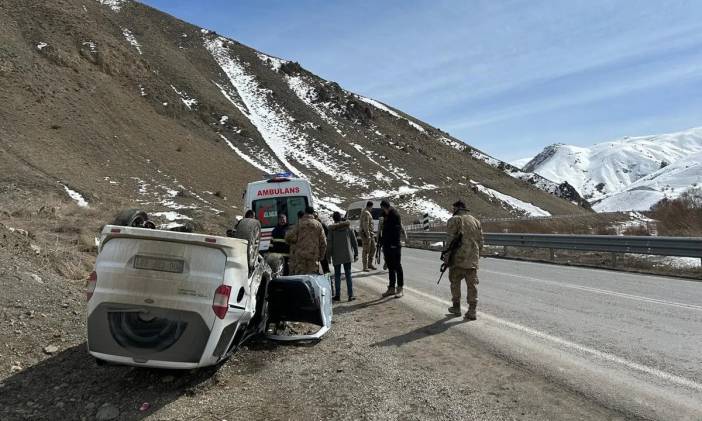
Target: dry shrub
(640, 230)
(583, 224)
(681, 216)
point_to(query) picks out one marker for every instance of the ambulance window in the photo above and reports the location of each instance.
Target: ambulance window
(268, 210)
(294, 205)
(377, 213)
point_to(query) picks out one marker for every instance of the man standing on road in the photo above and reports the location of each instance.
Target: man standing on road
(392, 249)
(463, 261)
(367, 237)
(308, 245)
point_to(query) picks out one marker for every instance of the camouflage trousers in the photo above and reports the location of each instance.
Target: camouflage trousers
(368, 251)
(303, 266)
(456, 275)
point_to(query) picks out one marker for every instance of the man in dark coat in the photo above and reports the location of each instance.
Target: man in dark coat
(342, 249)
(392, 249)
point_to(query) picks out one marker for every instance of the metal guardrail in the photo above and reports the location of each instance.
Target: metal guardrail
(662, 246)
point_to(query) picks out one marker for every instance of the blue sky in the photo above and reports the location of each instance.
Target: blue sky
(508, 77)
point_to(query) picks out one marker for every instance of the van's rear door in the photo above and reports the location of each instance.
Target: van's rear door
(160, 273)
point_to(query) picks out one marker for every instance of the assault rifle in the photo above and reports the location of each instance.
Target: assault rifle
(449, 254)
(378, 251)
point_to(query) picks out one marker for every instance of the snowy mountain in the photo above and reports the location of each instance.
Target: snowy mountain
(669, 182)
(626, 174)
(115, 101)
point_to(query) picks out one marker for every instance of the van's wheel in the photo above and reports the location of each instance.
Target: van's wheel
(249, 229)
(131, 218)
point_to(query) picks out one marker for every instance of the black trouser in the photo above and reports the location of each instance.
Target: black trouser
(393, 258)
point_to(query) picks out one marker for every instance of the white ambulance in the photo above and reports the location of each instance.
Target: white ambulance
(281, 194)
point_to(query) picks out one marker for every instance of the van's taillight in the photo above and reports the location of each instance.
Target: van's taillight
(210, 240)
(115, 230)
(220, 304)
(90, 285)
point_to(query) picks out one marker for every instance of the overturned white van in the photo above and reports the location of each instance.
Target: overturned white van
(180, 300)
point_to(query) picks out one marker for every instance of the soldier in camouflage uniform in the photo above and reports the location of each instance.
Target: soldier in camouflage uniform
(367, 237)
(308, 245)
(464, 262)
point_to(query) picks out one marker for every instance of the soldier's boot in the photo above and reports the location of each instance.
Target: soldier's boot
(398, 292)
(455, 309)
(389, 292)
(471, 313)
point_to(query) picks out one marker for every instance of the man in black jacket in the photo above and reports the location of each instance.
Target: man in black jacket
(391, 242)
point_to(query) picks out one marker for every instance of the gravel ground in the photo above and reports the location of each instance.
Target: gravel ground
(381, 360)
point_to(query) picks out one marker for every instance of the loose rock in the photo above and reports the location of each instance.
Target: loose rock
(51, 349)
(107, 412)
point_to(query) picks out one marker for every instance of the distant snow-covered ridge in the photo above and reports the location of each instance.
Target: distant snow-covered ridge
(632, 173)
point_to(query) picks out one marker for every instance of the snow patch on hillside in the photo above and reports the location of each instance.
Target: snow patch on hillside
(388, 110)
(91, 46)
(275, 124)
(420, 205)
(460, 146)
(115, 5)
(77, 197)
(185, 98)
(309, 95)
(246, 157)
(511, 202)
(493, 162)
(273, 62)
(129, 36)
(42, 45)
(330, 204)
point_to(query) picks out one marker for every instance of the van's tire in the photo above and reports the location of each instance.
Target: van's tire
(131, 218)
(249, 229)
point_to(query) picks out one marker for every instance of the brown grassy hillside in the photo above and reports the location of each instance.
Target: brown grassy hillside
(135, 107)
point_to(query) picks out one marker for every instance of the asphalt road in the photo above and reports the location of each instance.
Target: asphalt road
(632, 342)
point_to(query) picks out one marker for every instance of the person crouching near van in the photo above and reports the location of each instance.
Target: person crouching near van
(308, 245)
(341, 246)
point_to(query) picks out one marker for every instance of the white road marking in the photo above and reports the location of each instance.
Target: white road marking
(672, 378)
(598, 290)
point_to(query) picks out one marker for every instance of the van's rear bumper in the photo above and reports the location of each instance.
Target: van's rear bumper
(150, 363)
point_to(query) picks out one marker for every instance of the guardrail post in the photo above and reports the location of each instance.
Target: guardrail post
(504, 251)
(614, 259)
(552, 254)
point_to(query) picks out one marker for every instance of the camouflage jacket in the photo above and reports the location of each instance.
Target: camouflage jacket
(466, 257)
(307, 240)
(366, 224)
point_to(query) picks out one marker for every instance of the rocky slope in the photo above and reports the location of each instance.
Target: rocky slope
(632, 173)
(112, 99)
